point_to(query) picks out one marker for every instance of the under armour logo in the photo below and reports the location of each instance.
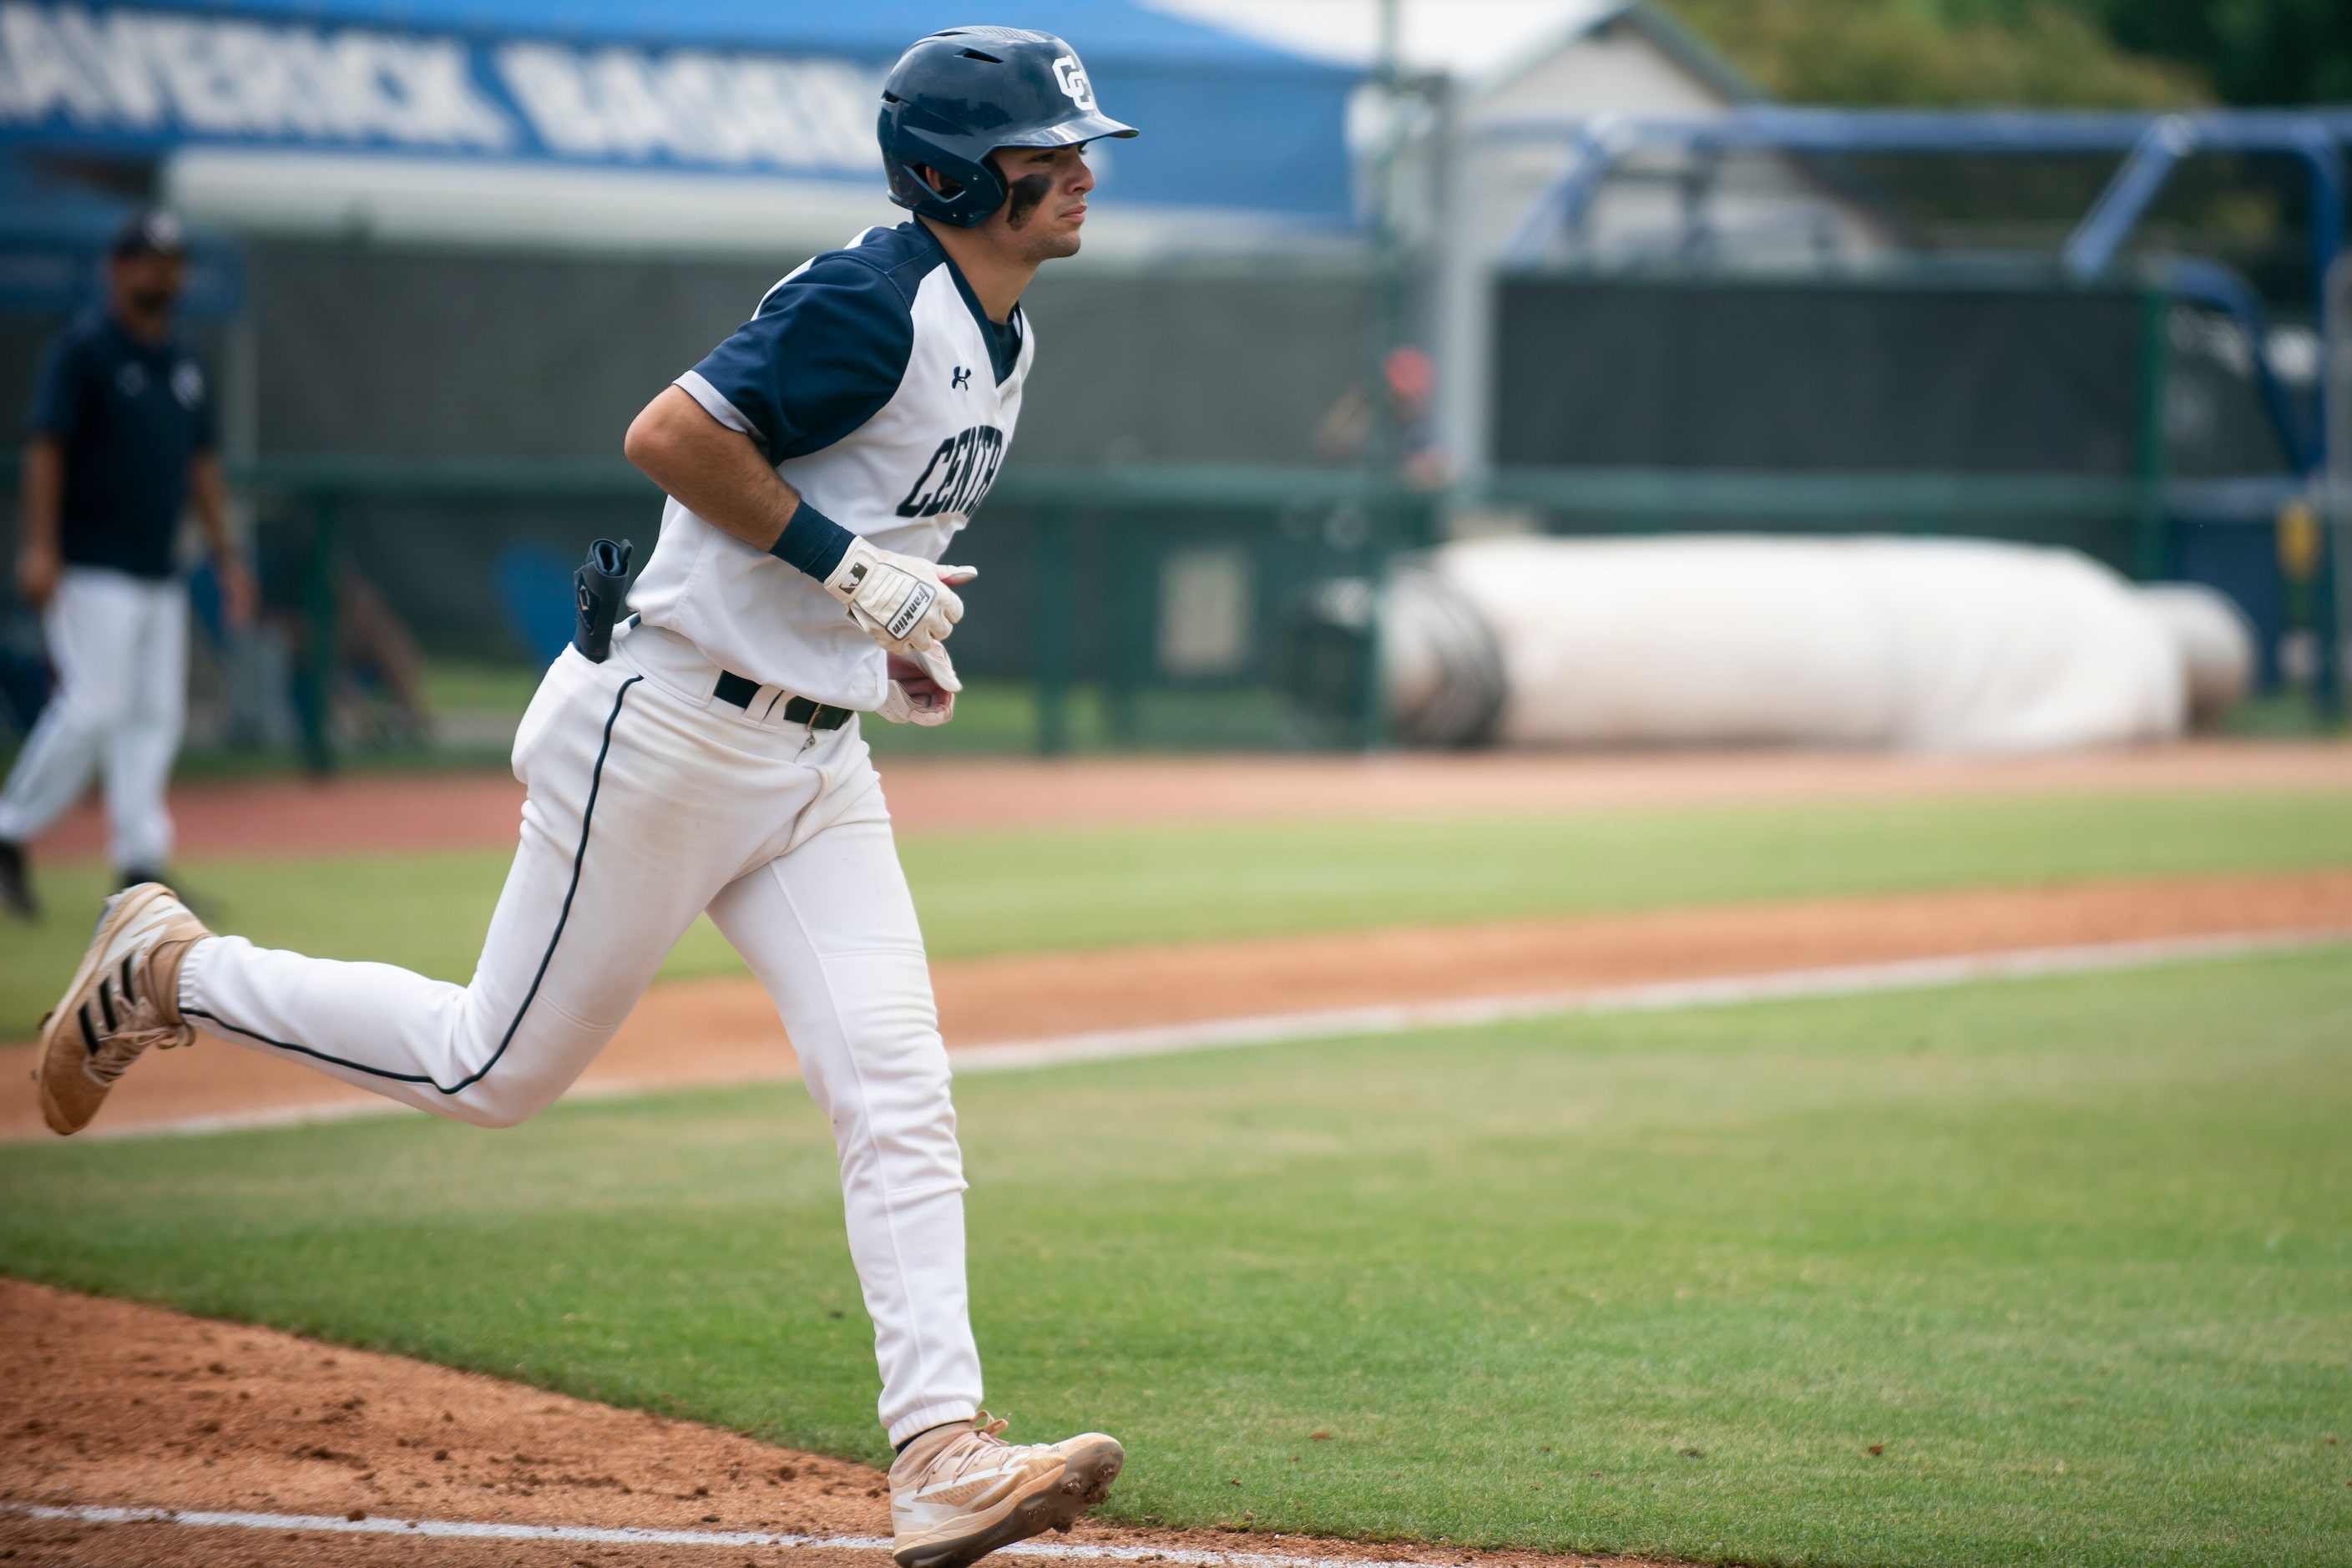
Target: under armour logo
(962, 379)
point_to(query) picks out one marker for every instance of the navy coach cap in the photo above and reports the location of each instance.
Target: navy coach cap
(154, 231)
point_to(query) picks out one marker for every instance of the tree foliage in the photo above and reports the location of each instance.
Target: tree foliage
(2119, 54)
(2252, 51)
(1923, 53)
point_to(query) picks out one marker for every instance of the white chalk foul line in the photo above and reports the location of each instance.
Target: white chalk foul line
(253, 1121)
(466, 1530)
(1724, 991)
(1389, 1018)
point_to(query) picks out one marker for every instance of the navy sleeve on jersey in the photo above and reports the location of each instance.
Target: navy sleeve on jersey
(826, 351)
(58, 399)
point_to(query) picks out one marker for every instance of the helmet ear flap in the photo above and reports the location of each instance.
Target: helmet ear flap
(975, 188)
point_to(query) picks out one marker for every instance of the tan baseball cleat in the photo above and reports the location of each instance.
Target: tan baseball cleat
(959, 1492)
(116, 1009)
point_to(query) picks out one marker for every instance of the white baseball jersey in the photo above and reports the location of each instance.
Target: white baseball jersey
(882, 392)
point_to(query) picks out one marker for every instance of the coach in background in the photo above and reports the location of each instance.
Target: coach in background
(119, 440)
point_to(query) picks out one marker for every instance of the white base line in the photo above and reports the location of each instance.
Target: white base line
(1389, 1018)
(253, 1121)
(1724, 991)
(463, 1529)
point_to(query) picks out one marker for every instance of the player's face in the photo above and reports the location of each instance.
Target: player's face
(1047, 201)
(146, 286)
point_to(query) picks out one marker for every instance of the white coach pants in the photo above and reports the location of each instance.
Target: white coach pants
(120, 643)
(649, 802)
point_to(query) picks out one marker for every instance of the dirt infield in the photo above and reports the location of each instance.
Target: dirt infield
(725, 1030)
(105, 1404)
(463, 811)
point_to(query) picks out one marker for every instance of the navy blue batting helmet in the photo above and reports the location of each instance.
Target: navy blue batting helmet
(957, 96)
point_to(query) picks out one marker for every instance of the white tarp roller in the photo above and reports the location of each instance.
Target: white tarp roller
(1942, 644)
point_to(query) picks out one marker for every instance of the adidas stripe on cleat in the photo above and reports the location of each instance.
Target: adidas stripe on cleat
(114, 1012)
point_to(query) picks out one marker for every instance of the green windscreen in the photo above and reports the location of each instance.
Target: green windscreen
(1721, 374)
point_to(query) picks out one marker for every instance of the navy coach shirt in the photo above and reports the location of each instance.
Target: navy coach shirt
(130, 415)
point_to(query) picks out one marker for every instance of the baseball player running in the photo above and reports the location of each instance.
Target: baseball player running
(817, 463)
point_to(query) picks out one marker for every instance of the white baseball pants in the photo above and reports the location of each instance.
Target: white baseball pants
(649, 802)
(120, 643)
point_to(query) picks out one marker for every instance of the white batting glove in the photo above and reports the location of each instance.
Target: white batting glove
(929, 709)
(903, 602)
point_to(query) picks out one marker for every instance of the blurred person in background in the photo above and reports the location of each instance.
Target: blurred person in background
(119, 440)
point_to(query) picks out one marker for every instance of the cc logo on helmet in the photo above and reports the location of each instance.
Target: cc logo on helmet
(1072, 76)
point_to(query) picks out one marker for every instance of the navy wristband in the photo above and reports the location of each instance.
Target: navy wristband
(811, 541)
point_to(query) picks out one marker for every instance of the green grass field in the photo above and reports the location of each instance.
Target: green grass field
(2077, 1254)
(988, 892)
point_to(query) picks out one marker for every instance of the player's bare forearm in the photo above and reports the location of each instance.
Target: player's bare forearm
(39, 564)
(43, 491)
(716, 473)
(208, 488)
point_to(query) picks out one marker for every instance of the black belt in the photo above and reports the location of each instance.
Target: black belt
(739, 690)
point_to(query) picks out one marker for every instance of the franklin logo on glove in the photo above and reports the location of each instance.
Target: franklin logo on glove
(903, 602)
(919, 599)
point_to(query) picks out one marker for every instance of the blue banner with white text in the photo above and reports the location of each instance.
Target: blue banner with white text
(1263, 134)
